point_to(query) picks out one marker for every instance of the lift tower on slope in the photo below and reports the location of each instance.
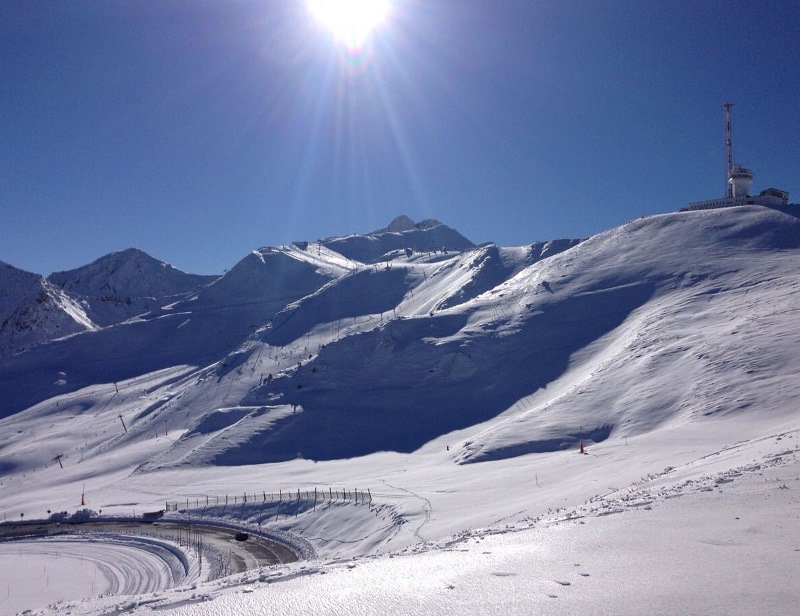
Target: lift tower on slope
(728, 150)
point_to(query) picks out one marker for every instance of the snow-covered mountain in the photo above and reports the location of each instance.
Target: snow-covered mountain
(124, 284)
(402, 234)
(33, 311)
(473, 333)
(455, 382)
(277, 294)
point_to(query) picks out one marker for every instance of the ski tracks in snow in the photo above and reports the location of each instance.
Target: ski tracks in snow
(690, 478)
(426, 507)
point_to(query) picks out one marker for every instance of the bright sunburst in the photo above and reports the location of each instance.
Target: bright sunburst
(350, 21)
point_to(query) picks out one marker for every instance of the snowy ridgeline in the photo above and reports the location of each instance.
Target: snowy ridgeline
(455, 384)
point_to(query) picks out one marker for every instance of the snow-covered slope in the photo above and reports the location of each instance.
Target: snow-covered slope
(721, 292)
(32, 311)
(491, 265)
(454, 387)
(124, 284)
(544, 350)
(275, 276)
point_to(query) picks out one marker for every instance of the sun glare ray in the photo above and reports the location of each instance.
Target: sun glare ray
(364, 131)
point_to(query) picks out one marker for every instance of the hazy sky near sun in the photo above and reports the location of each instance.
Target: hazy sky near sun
(199, 130)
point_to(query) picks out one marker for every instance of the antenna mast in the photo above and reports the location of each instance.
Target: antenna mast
(728, 150)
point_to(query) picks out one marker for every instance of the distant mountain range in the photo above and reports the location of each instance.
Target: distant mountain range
(110, 290)
(122, 285)
(400, 336)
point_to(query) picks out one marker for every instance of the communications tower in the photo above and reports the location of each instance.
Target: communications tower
(728, 150)
(737, 178)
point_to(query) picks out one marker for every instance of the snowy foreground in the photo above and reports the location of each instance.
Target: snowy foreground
(717, 535)
(409, 421)
(729, 544)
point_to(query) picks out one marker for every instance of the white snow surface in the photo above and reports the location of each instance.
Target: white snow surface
(416, 423)
(33, 311)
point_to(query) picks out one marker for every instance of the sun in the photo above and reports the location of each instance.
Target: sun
(350, 21)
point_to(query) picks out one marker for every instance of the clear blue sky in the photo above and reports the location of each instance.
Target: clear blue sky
(199, 130)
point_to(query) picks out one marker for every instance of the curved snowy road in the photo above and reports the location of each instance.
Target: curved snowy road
(243, 555)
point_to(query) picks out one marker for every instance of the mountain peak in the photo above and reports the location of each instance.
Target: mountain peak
(401, 223)
(123, 284)
(401, 234)
(33, 311)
